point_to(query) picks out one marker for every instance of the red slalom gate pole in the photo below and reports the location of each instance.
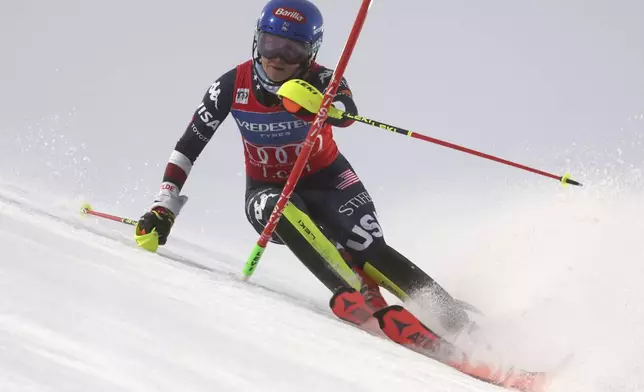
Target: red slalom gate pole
(316, 127)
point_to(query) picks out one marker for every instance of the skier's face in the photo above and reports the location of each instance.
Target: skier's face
(277, 70)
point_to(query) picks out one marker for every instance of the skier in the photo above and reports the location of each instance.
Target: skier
(330, 210)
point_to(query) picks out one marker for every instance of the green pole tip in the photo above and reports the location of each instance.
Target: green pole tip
(253, 261)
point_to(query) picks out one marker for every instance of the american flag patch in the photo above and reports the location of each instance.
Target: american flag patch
(348, 178)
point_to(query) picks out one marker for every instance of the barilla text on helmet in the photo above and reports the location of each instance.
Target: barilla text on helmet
(290, 14)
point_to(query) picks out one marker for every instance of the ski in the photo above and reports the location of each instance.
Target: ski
(402, 327)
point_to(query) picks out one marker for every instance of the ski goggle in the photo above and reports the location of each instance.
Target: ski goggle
(292, 52)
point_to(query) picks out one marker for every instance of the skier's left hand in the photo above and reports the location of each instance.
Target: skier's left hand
(305, 115)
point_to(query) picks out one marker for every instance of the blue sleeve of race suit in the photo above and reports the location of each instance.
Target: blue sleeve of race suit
(211, 112)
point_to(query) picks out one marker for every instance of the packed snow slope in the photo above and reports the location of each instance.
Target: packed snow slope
(82, 311)
(94, 96)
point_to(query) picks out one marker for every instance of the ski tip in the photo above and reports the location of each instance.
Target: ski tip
(85, 209)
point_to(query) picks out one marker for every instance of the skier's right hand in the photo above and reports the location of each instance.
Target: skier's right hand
(159, 219)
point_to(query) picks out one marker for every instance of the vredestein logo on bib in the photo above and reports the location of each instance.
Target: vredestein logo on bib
(271, 127)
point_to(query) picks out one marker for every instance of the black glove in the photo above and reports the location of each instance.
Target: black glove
(349, 107)
(305, 115)
(159, 218)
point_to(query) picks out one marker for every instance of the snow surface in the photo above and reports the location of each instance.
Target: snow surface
(94, 95)
(83, 311)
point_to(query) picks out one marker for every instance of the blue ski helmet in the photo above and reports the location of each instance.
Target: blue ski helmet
(299, 21)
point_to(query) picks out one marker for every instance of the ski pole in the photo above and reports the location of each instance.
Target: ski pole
(86, 209)
(307, 146)
(297, 94)
(565, 179)
(148, 241)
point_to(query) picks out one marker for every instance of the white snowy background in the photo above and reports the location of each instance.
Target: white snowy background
(94, 95)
